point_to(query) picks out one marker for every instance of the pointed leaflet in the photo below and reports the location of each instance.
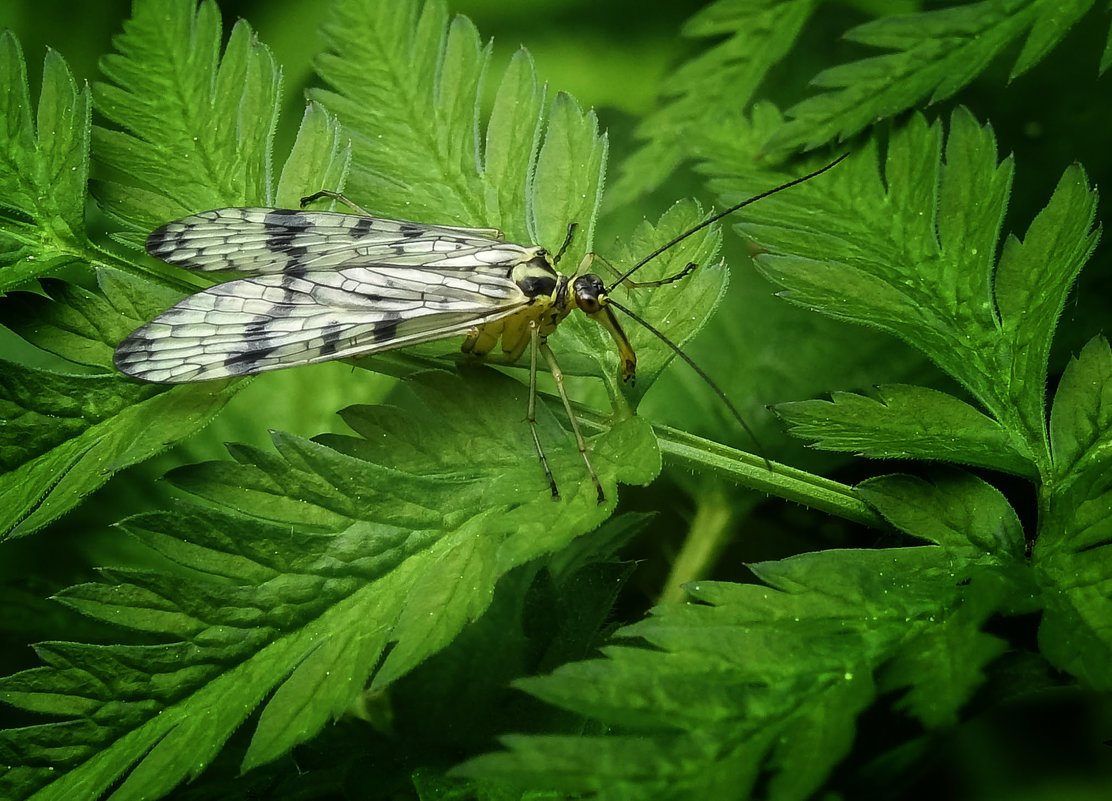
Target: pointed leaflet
(197, 125)
(711, 89)
(71, 433)
(44, 164)
(936, 53)
(405, 83)
(306, 568)
(1073, 555)
(916, 259)
(901, 421)
(754, 679)
(405, 86)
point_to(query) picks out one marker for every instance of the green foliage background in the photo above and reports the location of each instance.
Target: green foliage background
(367, 593)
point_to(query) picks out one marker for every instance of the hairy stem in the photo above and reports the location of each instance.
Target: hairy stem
(750, 470)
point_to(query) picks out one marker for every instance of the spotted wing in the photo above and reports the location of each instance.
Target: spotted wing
(265, 241)
(266, 322)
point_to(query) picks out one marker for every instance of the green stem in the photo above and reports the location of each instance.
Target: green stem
(751, 471)
(748, 470)
(704, 455)
(709, 533)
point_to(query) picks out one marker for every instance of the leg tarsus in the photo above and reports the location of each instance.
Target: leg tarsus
(580, 443)
(686, 271)
(631, 284)
(531, 414)
(331, 195)
(567, 243)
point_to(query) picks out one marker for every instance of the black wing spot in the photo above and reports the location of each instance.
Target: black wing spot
(386, 329)
(259, 329)
(362, 228)
(290, 290)
(283, 226)
(156, 242)
(411, 231)
(246, 362)
(294, 267)
(331, 336)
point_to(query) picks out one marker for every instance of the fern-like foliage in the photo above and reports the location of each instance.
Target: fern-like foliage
(398, 534)
(198, 132)
(419, 559)
(44, 164)
(934, 54)
(711, 90)
(934, 280)
(767, 681)
(405, 86)
(305, 567)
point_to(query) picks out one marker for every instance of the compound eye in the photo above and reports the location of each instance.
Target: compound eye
(589, 291)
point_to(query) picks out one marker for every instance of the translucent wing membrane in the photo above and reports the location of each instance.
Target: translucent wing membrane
(324, 286)
(263, 241)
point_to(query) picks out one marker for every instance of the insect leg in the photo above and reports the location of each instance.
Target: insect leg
(534, 335)
(631, 284)
(567, 243)
(558, 377)
(340, 196)
(661, 282)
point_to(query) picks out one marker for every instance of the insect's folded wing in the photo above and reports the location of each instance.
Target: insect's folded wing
(266, 241)
(266, 322)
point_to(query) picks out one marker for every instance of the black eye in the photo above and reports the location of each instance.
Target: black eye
(588, 291)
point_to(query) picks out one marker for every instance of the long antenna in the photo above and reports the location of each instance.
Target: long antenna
(719, 216)
(702, 374)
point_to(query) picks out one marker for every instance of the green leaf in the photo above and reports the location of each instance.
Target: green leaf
(567, 185)
(513, 135)
(418, 155)
(408, 93)
(710, 90)
(944, 667)
(1073, 555)
(302, 574)
(916, 259)
(953, 509)
(805, 354)
(543, 614)
(319, 158)
(900, 421)
(1050, 24)
(197, 125)
(405, 84)
(66, 435)
(1106, 56)
(44, 164)
(1034, 279)
(749, 680)
(80, 325)
(199, 131)
(935, 53)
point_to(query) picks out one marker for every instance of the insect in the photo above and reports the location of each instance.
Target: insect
(324, 285)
